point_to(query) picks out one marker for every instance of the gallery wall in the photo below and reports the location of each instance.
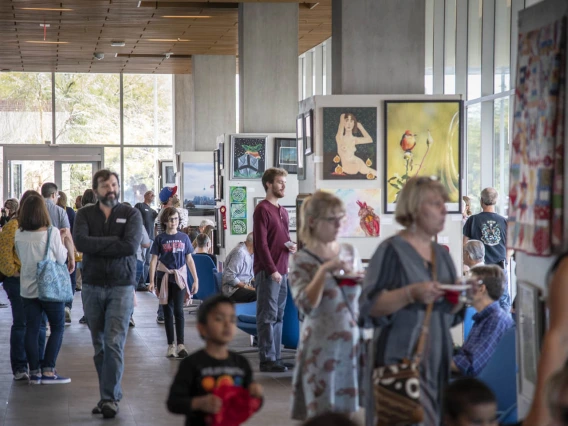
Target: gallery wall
(452, 233)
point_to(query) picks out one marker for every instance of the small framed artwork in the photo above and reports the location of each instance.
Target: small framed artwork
(248, 156)
(286, 154)
(291, 217)
(220, 228)
(217, 194)
(168, 173)
(423, 138)
(300, 147)
(530, 326)
(309, 131)
(256, 201)
(199, 199)
(221, 155)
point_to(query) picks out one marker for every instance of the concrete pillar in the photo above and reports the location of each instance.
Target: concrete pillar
(378, 46)
(214, 99)
(268, 67)
(183, 113)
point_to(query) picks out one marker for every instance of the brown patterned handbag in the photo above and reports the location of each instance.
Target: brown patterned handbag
(397, 386)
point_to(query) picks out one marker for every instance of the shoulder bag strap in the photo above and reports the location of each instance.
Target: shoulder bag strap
(426, 324)
(48, 242)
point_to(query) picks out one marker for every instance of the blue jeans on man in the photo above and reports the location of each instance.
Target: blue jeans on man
(108, 310)
(18, 357)
(270, 304)
(35, 311)
(144, 278)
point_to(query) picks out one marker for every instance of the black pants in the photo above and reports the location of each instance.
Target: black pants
(243, 295)
(174, 308)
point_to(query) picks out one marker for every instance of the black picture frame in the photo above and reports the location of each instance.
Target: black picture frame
(248, 157)
(220, 229)
(218, 196)
(292, 217)
(393, 143)
(300, 146)
(221, 148)
(286, 154)
(309, 132)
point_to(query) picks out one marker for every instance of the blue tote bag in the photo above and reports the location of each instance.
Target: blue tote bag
(53, 280)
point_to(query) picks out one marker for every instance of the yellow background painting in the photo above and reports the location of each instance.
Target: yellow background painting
(436, 122)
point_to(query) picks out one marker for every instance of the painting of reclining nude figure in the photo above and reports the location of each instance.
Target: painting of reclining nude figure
(350, 143)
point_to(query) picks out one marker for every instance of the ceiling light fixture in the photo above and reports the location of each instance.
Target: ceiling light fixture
(171, 40)
(186, 16)
(117, 43)
(46, 42)
(46, 9)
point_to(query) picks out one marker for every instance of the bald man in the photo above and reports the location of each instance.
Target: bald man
(491, 229)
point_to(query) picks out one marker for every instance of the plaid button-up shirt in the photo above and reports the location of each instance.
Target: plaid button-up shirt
(489, 326)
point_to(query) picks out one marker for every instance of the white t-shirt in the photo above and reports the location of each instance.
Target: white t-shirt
(30, 247)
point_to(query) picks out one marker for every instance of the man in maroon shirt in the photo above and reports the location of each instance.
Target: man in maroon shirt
(270, 223)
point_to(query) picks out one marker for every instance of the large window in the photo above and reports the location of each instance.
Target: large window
(25, 108)
(88, 112)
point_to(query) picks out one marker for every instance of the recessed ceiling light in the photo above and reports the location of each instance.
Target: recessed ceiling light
(47, 42)
(171, 40)
(186, 16)
(47, 9)
(117, 43)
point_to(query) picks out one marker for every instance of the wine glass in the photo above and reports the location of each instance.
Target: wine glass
(351, 260)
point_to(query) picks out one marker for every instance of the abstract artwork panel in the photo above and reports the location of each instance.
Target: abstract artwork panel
(238, 210)
(349, 143)
(423, 138)
(248, 155)
(361, 216)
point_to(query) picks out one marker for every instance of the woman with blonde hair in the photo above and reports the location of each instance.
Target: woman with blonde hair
(403, 277)
(326, 374)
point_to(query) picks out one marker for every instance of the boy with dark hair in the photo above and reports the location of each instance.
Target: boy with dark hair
(469, 402)
(490, 322)
(201, 373)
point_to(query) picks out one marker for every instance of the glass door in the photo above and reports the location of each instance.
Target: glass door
(74, 178)
(28, 174)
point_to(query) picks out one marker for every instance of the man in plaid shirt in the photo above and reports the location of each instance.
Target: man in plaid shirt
(490, 322)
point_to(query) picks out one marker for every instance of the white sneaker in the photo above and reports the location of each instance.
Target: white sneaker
(21, 376)
(182, 352)
(171, 351)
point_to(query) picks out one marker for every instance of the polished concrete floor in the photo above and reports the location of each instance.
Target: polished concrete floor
(147, 377)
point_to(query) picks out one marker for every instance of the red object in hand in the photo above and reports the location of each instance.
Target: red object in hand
(238, 406)
(348, 282)
(452, 296)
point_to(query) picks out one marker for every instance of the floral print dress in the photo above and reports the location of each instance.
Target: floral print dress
(326, 373)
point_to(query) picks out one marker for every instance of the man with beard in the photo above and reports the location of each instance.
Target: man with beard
(108, 235)
(270, 223)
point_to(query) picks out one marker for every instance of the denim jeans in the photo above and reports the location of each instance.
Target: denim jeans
(270, 303)
(18, 357)
(174, 308)
(108, 310)
(141, 282)
(34, 310)
(139, 271)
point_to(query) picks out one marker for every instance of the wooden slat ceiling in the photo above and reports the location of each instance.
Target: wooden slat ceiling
(91, 25)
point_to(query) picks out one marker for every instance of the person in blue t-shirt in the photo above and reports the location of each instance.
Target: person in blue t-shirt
(171, 252)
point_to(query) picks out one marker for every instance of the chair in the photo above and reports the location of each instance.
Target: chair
(500, 374)
(291, 323)
(218, 276)
(468, 321)
(206, 273)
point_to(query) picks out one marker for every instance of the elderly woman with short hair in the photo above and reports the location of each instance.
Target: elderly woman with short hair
(399, 284)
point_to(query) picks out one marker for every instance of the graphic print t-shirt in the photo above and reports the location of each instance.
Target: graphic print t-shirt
(171, 251)
(200, 374)
(491, 230)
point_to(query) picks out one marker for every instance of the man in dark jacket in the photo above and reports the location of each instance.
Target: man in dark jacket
(108, 235)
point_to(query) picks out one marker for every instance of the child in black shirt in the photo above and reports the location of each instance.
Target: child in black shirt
(205, 370)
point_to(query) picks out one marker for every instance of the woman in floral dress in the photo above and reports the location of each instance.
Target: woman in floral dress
(325, 378)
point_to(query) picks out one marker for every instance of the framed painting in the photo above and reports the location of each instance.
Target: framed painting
(248, 157)
(286, 154)
(350, 143)
(238, 210)
(217, 192)
(199, 189)
(423, 138)
(530, 325)
(309, 131)
(300, 147)
(361, 212)
(256, 201)
(221, 150)
(220, 228)
(168, 173)
(291, 217)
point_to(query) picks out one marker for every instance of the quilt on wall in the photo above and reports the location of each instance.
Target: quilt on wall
(537, 155)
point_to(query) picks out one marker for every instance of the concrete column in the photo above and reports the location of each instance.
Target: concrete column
(268, 66)
(183, 113)
(378, 46)
(318, 70)
(214, 98)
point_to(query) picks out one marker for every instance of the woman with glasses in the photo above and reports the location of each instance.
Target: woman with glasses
(171, 252)
(403, 277)
(326, 374)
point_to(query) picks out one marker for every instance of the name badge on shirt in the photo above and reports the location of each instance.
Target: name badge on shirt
(120, 220)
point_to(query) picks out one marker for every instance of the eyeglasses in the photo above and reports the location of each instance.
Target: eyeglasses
(333, 219)
(173, 219)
